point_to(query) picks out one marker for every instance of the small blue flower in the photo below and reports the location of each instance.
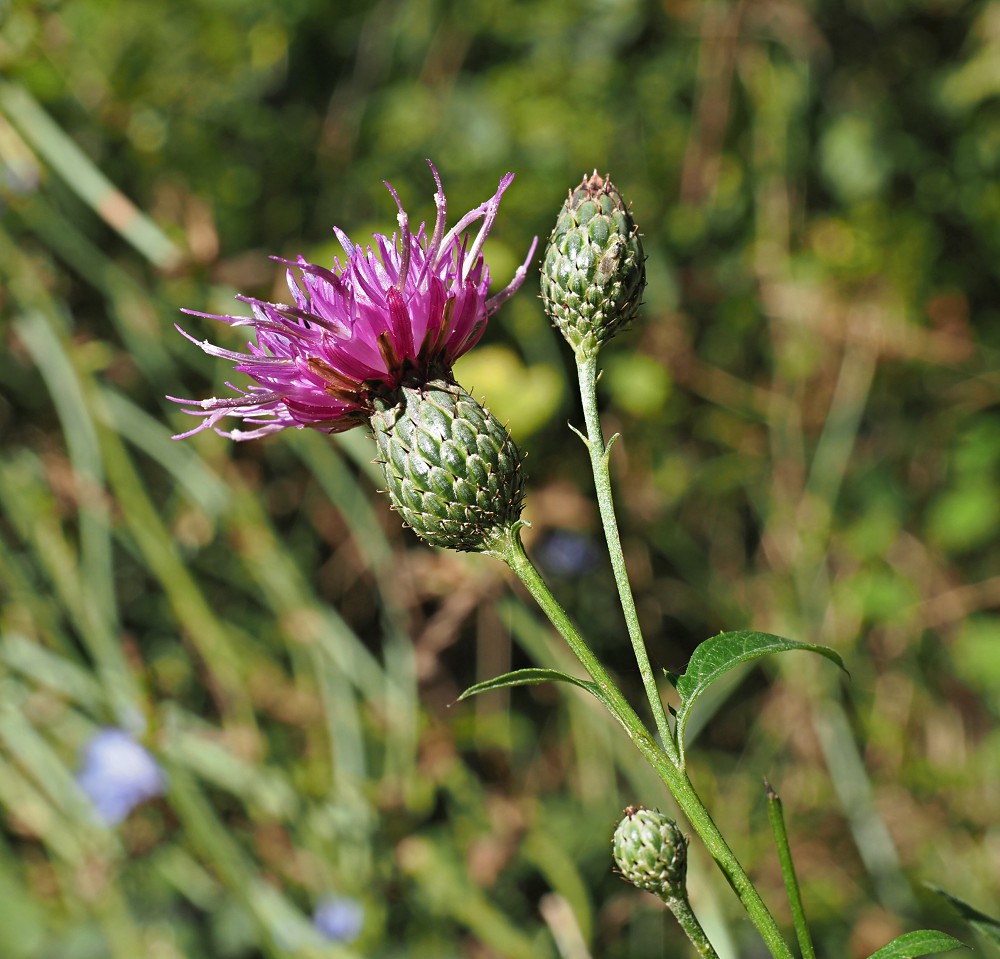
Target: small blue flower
(117, 774)
(339, 918)
(566, 553)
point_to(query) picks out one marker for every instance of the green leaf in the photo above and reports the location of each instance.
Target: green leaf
(529, 677)
(986, 926)
(924, 942)
(718, 655)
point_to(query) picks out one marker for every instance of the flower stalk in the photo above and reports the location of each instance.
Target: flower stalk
(600, 454)
(688, 921)
(511, 551)
(651, 853)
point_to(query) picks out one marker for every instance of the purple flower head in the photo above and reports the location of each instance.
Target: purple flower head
(117, 774)
(407, 308)
(339, 918)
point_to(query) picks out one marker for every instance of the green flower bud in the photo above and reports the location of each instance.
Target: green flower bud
(651, 853)
(594, 270)
(452, 471)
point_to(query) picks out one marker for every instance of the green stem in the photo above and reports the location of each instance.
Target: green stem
(600, 453)
(507, 546)
(688, 921)
(777, 818)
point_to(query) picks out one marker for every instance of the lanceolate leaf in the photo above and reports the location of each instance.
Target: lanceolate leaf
(986, 926)
(529, 677)
(924, 942)
(718, 655)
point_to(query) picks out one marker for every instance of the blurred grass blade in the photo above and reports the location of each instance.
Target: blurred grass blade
(180, 461)
(37, 814)
(343, 726)
(215, 845)
(326, 462)
(215, 642)
(562, 923)
(447, 891)
(284, 587)
(84, 178)
(189, 877)
(27, 501)
(22, 918)
(262, 787)
(21, 581)
(47, 350)
(850, 779)
(49, 670)
(24, 743)
(131, 308)
(562, 874)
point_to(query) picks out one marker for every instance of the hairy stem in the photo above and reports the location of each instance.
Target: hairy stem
(688, 921)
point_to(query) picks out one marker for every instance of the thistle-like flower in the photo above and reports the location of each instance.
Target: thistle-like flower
(404, 309)
(117, 774)
(594, 269)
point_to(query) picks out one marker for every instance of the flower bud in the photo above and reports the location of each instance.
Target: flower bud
(453, 472)
(594, 269)
(651, 853)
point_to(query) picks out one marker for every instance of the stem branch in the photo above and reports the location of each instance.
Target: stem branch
(511, 551)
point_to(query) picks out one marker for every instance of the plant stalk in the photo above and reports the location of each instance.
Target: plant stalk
(600, 454)
(688, 921)
(510, 549)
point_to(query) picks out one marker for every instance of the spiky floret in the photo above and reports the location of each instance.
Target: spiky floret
(651, 853)
(452, 471)
(594, 271)
(408, 306)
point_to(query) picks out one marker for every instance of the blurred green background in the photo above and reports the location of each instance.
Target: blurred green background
(811, 447)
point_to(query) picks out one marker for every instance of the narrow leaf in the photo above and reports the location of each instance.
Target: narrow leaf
(716, 656)
(986, 926)
(528, 677)
(924, 942)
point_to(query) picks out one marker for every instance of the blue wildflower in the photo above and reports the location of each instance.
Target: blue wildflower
(117, 774)
(339, 918)
(566, 553)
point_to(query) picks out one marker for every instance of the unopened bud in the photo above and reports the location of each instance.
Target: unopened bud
(594, 269)
(651, 853)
